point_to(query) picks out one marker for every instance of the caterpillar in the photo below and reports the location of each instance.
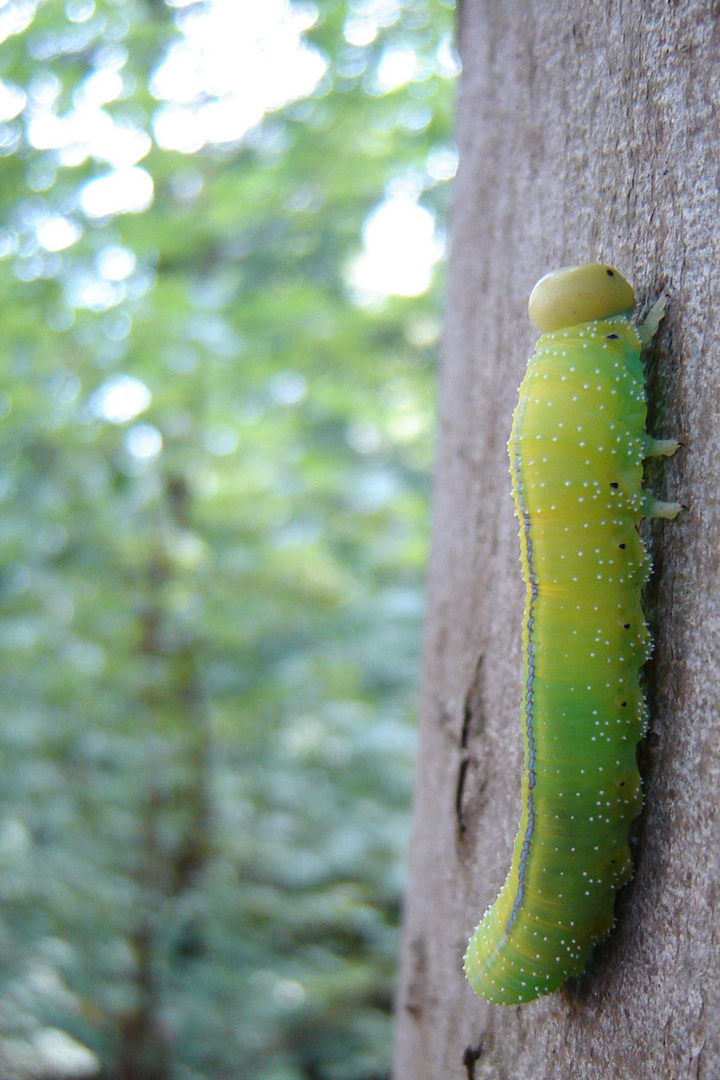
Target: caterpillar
(577, 448)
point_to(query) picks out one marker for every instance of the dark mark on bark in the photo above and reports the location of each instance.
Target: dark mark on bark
(473, 701)
(470, 1057)
(462, 773)
(416, 983)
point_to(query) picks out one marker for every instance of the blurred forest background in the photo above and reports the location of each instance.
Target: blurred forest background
(220, 250)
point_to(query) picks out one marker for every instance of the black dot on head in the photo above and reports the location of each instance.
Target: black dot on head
(614, 484)
(622, 546)
(613, 337)
(609, 272)
(623, 704)
(626, 626)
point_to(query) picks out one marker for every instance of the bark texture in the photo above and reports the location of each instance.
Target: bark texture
(586, 131)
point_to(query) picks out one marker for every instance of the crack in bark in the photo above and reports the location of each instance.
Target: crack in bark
(472, 712)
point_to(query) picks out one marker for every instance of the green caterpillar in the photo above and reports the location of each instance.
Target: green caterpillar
(576, 449)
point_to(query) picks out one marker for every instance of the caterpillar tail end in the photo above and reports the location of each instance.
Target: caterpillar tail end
(495, 967)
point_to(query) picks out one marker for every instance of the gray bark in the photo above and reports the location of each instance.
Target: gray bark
(586, 131)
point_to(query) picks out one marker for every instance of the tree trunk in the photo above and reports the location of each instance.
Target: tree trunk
(587, 131)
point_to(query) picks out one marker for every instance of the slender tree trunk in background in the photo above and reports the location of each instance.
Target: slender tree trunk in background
(586, 131)
(165, 874)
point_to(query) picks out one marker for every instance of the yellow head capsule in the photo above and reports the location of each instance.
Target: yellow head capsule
(578, 294)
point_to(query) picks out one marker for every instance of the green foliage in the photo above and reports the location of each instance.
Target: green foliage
(210, 607)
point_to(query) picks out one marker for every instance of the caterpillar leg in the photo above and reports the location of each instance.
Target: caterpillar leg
(660, 447)
(658, 509)
(649, 326)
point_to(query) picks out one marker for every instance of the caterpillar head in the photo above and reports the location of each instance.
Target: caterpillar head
(578, 294)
